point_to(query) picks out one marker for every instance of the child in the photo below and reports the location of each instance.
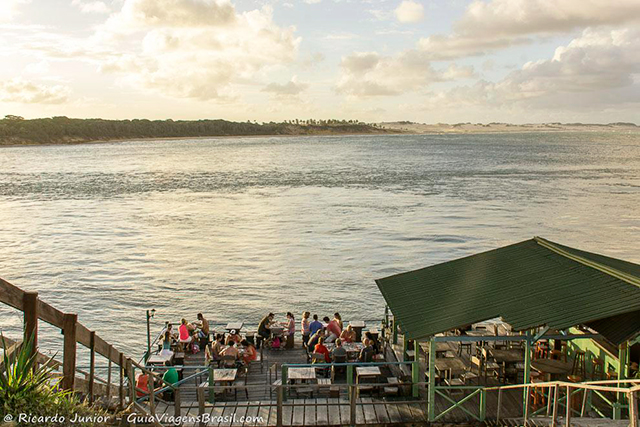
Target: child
(275, 343)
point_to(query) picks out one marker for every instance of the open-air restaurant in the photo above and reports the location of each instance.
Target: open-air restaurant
(531, 329)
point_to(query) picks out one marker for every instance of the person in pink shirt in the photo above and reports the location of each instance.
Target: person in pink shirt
(333, 327)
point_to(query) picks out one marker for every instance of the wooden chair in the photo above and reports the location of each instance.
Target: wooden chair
(597, 369)
(579, 369)
(338, 369)
(392, 389)
(228, 361)
(319, 358)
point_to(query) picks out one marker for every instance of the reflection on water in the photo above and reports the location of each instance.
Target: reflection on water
(239, 227)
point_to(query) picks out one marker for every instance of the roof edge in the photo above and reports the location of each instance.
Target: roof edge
(625, 277)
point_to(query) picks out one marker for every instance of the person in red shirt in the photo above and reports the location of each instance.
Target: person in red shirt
(320, 348)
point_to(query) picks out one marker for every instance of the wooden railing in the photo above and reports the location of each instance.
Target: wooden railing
(87, 383)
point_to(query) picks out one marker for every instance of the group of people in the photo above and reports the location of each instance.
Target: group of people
(241, 350)
(188, 337)
(267, 331)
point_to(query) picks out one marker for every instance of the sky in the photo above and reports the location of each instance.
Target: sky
(429, 61)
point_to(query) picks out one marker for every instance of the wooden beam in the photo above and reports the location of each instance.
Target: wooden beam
(11, 295)
(92, 364)
(30, 304)
(69, 324)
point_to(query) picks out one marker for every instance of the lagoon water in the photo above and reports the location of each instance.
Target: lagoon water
(237, 227)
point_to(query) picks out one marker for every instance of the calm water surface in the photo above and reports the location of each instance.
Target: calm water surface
(239, 227)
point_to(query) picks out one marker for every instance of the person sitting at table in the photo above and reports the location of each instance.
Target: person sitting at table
(322, 349)
(333, 328)
(170, 376)
(264, 328)
(142, 385)
(166, 343)
(234, 337)
(305, 328)
(366, 354)
(315, 326)
(204, 327)
(290, 326)
(338, 318)
(348, 335)
(231, 350)
(215, 348)
(315, 338)
(185, 334)
(249, 354)
(374, 342)
(339, 352)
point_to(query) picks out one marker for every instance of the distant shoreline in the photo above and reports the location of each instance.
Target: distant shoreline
(384, 128)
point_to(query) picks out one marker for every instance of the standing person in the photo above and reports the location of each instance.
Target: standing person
(305, 326)
(334, 329)
(264, 331)
(338, 318)
(290, 324)
(315, 326)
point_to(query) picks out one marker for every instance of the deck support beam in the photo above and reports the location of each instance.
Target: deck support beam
(527, 371)
(431, 399)
(30, 302)
(69, 323)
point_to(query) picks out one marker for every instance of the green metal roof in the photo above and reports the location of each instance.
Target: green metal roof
(529, 284)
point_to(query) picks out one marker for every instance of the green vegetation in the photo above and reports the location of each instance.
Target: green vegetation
(26, 388)
(16, 130)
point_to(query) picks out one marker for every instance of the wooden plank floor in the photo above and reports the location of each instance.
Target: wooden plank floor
(320, 409)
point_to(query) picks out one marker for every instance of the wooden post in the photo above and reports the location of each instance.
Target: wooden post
(212, 392)
(395, 330)
(483, 404)
(353, 410)
(152, 392)
(633, 409)
(69, 322)
(622, 374)
(132, 381)
(279, 406)
(499, 406)
(30, 309)
(567, 421)
(431, 401)
(121, 391)
(177, 405)
(583, 411)
(554, 417)
(405, 347)
(109, 376)
(549, 401)
(415, 375)
(285, 379)
(92, 363)
(525, 413)
(201, 406)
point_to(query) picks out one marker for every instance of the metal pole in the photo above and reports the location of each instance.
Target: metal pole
(527, 367)
(146, 357)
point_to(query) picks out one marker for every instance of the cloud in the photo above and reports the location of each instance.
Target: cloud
(365, 74)
(496, 24)
(193, 48)
(291, 88)
(409, 12)
(91, 6)
(9, 9)
(26, 92)
(593, 71)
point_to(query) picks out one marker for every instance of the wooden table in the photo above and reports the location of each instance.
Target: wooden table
(442, 347)
(552, 366)
(301, 374)
(506, 356)
(160, 359)
(455, 365)
(234, 325)
(226, 375)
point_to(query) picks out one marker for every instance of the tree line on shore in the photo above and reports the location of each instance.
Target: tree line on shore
(15, 129)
